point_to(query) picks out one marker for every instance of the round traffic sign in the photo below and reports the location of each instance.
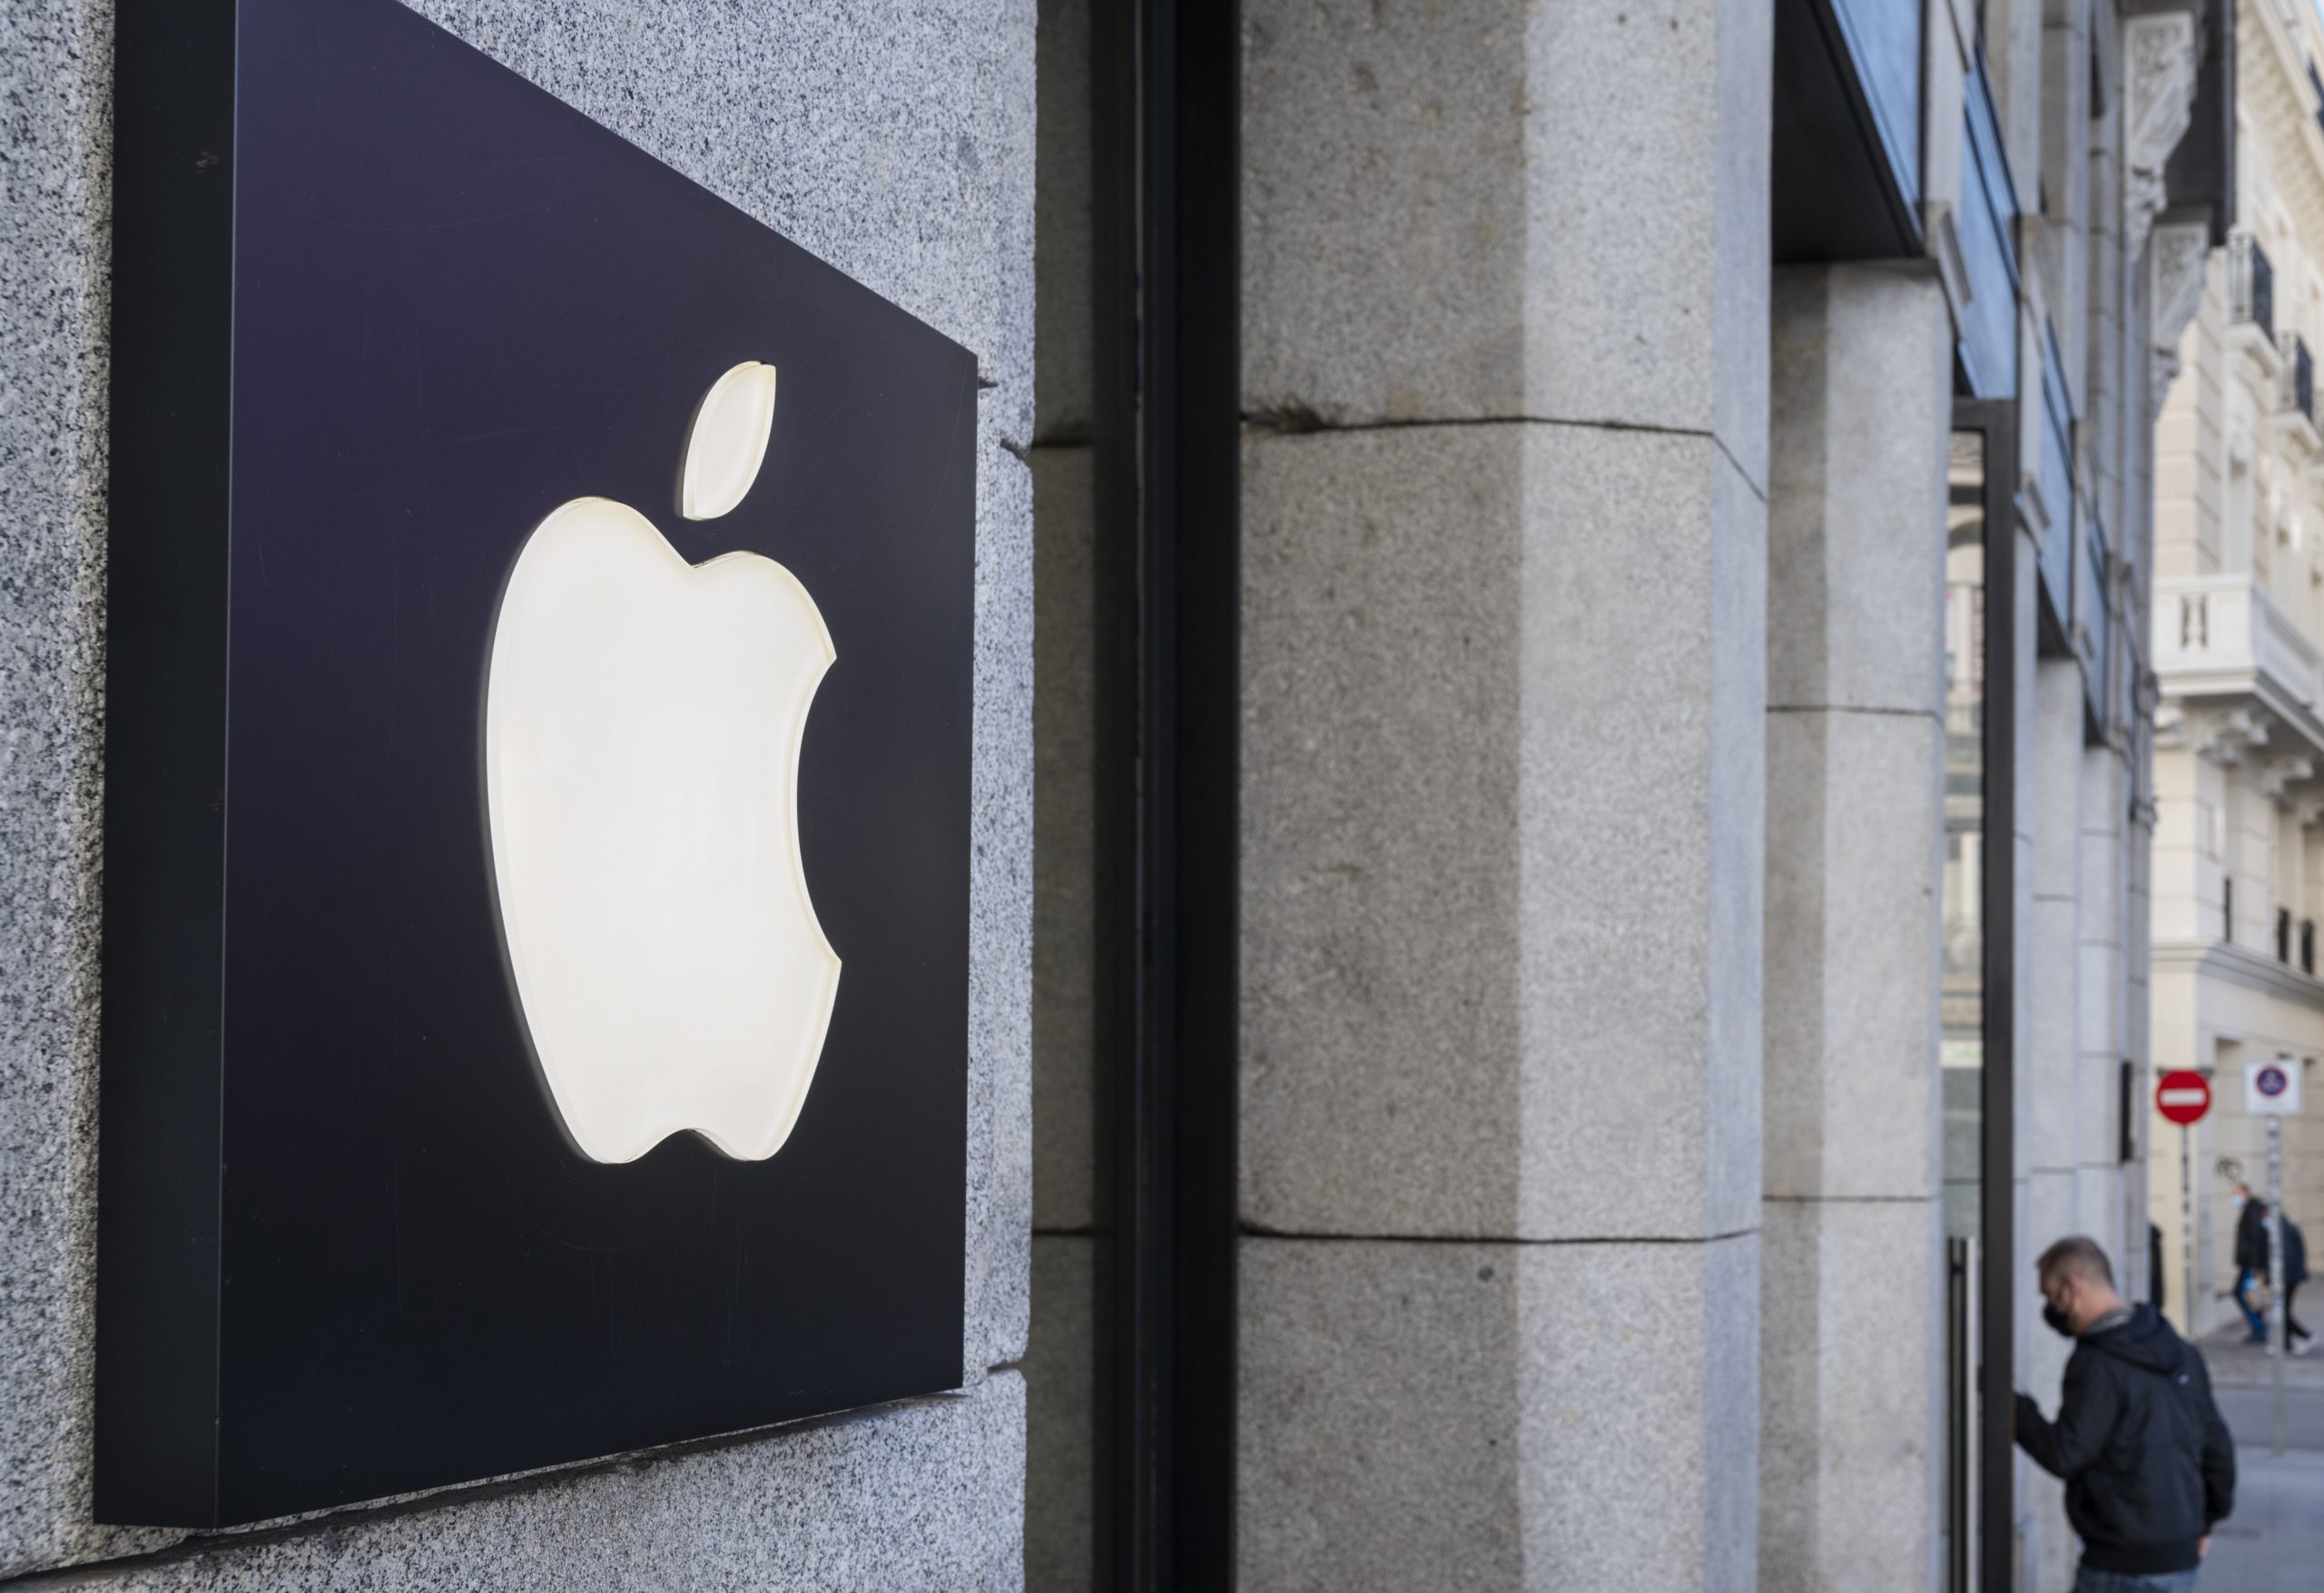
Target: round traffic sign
(2271, 1081)
(2182, 1096)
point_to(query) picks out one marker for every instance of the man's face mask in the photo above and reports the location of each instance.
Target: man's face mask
(2053, 1310)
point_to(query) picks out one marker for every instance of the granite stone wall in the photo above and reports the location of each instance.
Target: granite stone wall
(892, 138)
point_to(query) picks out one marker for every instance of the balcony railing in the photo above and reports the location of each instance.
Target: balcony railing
(2250, 285)
(2297, 395)
(2220, 636)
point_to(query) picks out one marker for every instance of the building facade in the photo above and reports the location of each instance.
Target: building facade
(1561, 791)
(2239, 647)
(1694, 801)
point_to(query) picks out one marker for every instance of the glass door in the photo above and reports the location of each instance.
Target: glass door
(1980, 605)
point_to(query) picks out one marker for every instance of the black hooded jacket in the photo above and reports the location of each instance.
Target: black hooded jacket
(2148, 1464)
(2251, 1239)
(2251, 1250)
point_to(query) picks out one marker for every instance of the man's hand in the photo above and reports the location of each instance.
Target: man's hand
(2203, 1546)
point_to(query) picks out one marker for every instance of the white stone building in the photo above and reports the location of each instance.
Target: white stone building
(2238, 648)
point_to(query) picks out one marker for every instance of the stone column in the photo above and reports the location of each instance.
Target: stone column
(2047, 1065)
(1505, 655)
(1065, 1460)
(1852, 1347)
(2100, 1034)
(2067, 128)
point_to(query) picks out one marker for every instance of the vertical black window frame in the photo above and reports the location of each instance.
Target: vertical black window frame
(1166, 118)
(1996, 421)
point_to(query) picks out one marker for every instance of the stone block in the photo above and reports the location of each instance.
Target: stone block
(1499, 1416)
(2046, 1065)
(1502, 756)
(1065, 812)
(926, 1494)
(1419, 243)
(2105, 792)
(1855, 842)
(1063, 1469)
(1652, 311)
(1382, 696)
(1001, 913)
(2098, 1109)
(1382, 1435)
(56, 77)
(1385, 243)
(1850, 1399)
(2098, 1211)
(2098, 995)
(1644, 774)
(1858, 445)
(2051, 781)
(1642, 1416)
(2098, 873)
(1065, 318)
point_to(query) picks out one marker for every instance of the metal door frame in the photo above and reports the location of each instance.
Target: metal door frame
(1166, 103)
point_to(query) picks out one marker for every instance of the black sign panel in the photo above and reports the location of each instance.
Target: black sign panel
(382, 309)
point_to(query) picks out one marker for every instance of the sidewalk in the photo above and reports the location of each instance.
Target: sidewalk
(2274, 1543)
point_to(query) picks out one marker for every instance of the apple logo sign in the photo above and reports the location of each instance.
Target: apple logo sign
(642, 722)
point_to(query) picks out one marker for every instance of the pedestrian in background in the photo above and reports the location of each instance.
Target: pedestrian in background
(2295, 1274)
(2148, 1464)
(2251, 1262)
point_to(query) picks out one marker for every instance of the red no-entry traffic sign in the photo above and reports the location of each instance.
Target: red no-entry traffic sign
(2182, 1096)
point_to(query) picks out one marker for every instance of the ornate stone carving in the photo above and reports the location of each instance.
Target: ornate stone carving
(2224, 735)
(2279, 775)
(2182, 252)
(2159, 57)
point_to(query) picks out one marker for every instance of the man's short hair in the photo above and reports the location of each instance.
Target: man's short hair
(2077, 1257)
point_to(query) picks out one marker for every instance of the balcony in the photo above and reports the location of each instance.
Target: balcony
(2218, 641)
(2296, 391)
(2251, 286)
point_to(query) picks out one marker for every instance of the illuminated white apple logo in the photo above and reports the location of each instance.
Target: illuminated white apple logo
(642, 720)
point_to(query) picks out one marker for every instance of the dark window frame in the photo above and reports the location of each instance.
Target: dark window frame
(1166, 103)
(1997, 420)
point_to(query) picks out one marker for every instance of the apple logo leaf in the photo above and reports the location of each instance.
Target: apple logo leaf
(728, 443)
(643, 719)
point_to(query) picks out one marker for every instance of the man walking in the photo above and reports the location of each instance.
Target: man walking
(2250, 1260)
(2298, 1339)
(2148, 1464)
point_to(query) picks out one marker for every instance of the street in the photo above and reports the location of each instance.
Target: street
(2274, 1543)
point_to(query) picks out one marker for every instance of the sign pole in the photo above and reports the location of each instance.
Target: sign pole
(2182, 1096)
(2187, 1297)
(2276, 1341)
(2271, 1090)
